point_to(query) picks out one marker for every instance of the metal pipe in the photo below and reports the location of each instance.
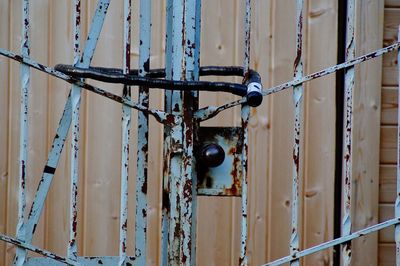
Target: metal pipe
(348, 127)
(297, 101)
(194, 69)
(20, 255)
(143, 136)
(334, 242)
(25, 246)
(72, 250)
(125, 129)
(176, 133)
(187, 189)
(245, 115)
(166, 188)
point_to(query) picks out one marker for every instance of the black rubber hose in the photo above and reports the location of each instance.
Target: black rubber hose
(153, 73)
(251, 87)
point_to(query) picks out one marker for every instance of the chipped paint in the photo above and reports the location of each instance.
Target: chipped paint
(25, 77)
(297, 101)
(348, 127)
(181, 118)
(245, 116)
(125, 129)
(72, 251)
(225, 179)
(334, 242)
(143, 135)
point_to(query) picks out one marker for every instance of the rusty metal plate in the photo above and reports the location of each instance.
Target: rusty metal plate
(225, 179)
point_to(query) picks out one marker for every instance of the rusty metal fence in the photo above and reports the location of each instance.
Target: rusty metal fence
(197, 160)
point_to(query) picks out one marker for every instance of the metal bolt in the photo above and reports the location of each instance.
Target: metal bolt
(212, 155)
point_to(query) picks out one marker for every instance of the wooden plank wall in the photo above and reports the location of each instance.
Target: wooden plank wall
(272, 54)
(319, 125)
(388, 142)
(366, 111)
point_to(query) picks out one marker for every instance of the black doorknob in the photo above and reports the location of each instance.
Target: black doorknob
(212, 155)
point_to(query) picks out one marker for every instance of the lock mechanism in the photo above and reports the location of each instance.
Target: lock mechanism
(219, 161)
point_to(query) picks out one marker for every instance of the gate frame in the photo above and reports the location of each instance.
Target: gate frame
(179, 217)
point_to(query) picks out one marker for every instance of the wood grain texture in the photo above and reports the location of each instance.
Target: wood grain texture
(386, 212)
(387, 184)
(102, 162)
(155, 140)
(13, 129)
(389, 106)
(388, 146)
(281, 129)
(319, 120)
(270, 131)
(259, 132)
(387, 255)
(220, 45)
(366, 115)
(4, 121)
(391, 25)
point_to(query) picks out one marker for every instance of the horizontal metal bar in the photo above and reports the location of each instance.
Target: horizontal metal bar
(211, 111)
(159, 115)
(334, 242)
(87, 261)
(37, 250)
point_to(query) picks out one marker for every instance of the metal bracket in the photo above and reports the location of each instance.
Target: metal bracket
(225, 179)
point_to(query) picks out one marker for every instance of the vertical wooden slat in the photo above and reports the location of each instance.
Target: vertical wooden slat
(281, 123)
(319, 119)
(38, 106)
(12, 132)
(60, 44)
(103, 134)
(367, 109)
(259, 129)
(220, 216)
(4, 110)
(388, 133)
(154, 191)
